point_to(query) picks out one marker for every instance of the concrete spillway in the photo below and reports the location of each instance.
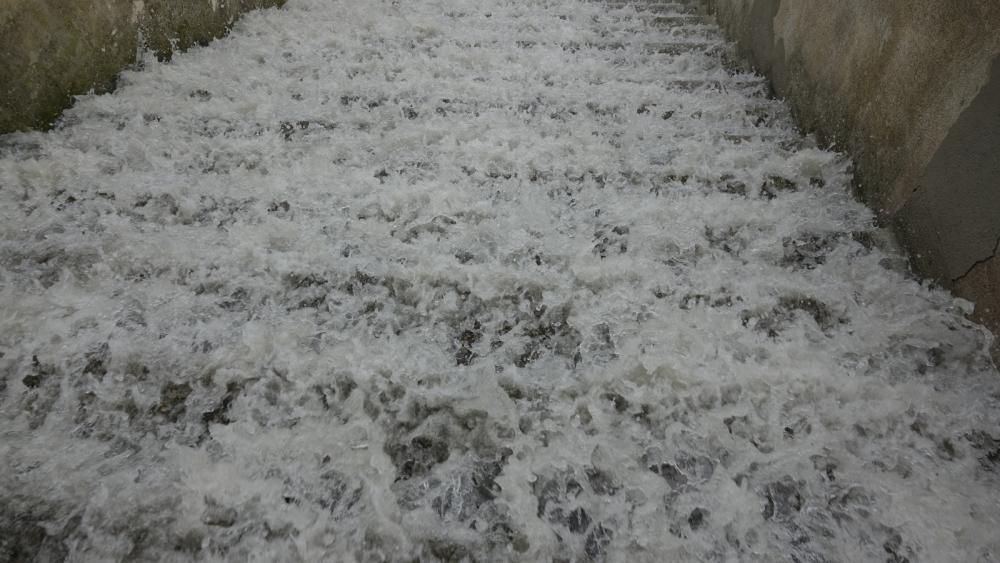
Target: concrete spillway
(456, 280)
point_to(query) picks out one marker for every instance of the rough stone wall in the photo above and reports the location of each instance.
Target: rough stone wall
(911, 89)
(51, 50)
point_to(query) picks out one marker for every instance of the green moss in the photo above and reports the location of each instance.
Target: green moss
(52, 50)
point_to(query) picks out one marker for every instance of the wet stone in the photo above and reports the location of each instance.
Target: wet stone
(96, 361)
(279, 207)
(464, 356)
(809, 251)
(597, 542)
(730, 394)
(894, 548)
(218, 515)
(172, 400)
(697, 518)
(774, 185)
(987, 447)
(611, 239)
(555, 490)
(39, 373)
(699, 467)
(601, 482)
(671, 474)
(728, 185)
(776, 319)
(783, 499)
(446, 551)
(578, 520)
(220, 414)
(418, 456)
(947, 450)
(336, 492)
(620, 403)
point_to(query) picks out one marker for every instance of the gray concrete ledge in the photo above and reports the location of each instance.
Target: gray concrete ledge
(52, 50)
(911, 89)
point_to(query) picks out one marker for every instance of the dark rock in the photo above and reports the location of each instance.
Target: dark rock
(697, 518)
(988, 445)
(893, 546)
(729, 240)
(694, 299)
(578, 521)
(728, 185)
(673, 476)
(947, 450)
(337, 492)
(28, 530)
(773, 321)
(96, 360)
(464, 356)
(447, 551)
(220, 414)
(597, 542)
(548, 329)
(610, 237)
(730, 394)
(555, 490)
(809, 251)
(601, 482)
(172, 400)
(279, 206)
(39, 373)
(783, 499)
(217, 515)
(825, 464)
(865, 238)
(773, 185)
(696, 466)
(418, 456)
(819, 311)
(620, 403)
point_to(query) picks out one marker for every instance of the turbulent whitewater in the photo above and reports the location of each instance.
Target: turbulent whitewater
(471, 280)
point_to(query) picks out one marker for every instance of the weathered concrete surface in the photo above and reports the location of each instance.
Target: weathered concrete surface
(51, 50)
(911, 88)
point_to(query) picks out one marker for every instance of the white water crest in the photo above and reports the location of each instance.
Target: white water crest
(471, 280)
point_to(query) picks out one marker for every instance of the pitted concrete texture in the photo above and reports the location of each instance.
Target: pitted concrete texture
(911, 90)
(52, 50)
(952, 219)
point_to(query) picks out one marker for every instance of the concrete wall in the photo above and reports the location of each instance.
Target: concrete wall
(911, 89)
(51, 50)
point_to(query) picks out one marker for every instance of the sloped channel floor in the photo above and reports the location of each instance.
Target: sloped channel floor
(471, 280)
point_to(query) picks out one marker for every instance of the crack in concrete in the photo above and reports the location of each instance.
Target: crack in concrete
(996, 248)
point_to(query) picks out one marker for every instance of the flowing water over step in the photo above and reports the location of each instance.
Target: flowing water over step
(471, 280)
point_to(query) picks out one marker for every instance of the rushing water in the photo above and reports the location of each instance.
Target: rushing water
(485, 280)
